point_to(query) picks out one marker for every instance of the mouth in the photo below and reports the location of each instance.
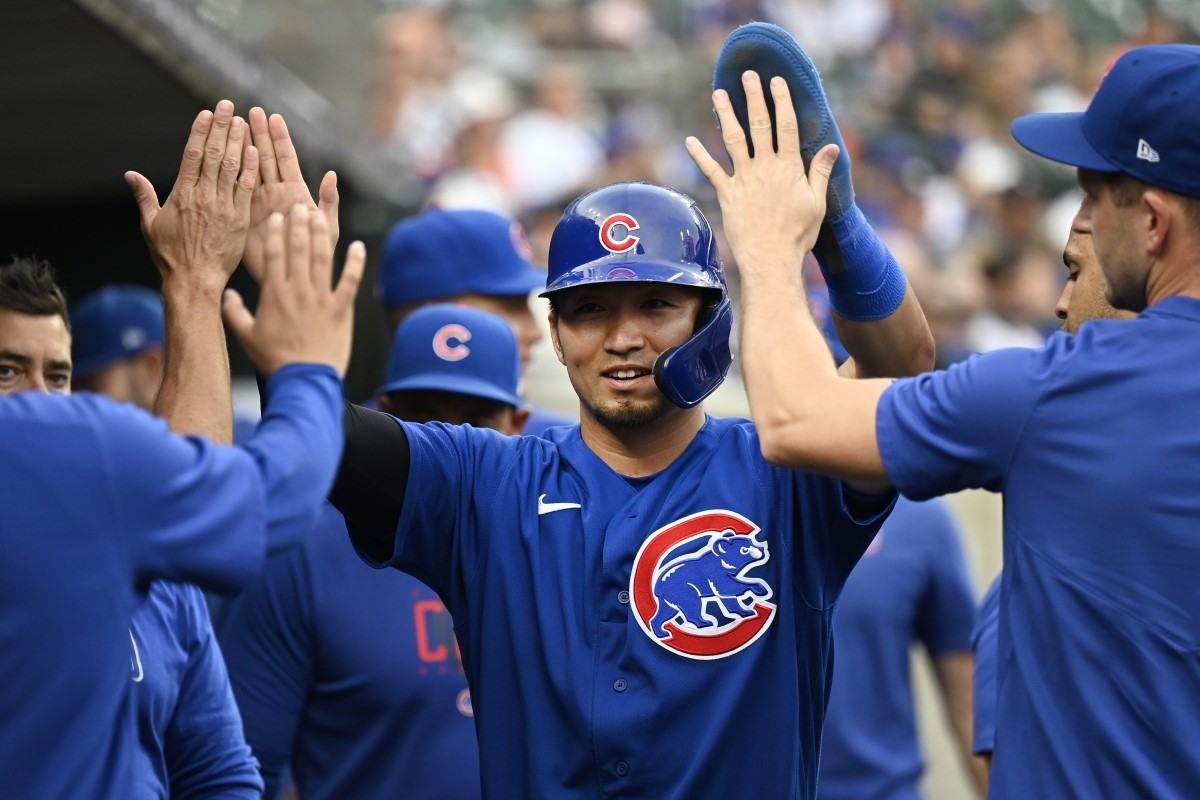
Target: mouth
(627, 377)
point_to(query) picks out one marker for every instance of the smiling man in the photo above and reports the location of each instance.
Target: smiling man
(632, 595)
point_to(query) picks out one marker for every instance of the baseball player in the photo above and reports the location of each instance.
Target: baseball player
(101, 500)
(1091, 438)
(1083, 298)
(189, 730)
(912, 584)
(470, 257)
(354, 676)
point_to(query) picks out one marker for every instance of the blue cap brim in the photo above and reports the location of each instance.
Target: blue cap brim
(518, 283)
(1059, 137)
(441, 382)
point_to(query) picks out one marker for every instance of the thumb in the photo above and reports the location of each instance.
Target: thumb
(144, 195)
(821, 168)
(237, 316)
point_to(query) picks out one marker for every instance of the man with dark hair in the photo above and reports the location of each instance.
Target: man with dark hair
(35, 334)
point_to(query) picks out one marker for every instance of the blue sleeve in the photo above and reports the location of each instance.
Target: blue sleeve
(205, 750)
(454, 470)
(297, 447)
(958, 428)
(947, 607)
(194, 512)
(985, 646)
(269, 644)
(839, 524)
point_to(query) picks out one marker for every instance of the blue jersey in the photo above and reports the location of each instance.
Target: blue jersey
(911, 585)
(352, 675)
(983, 644)
(100, 499)
(662, 637)
(189, 732)
(1094, 442)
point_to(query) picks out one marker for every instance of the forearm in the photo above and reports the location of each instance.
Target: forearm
(954, 674)
(893, 347)
(807, 416)
(195, 397)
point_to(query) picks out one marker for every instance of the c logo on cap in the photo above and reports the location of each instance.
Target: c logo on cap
(627, 241)
(447, 334)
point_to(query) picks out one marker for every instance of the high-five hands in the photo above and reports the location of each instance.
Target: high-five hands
(772, 209)
(199, 234)
(301, 317)
(281, 186)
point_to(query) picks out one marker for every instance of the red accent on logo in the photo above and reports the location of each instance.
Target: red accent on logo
(421, 612)
(731, 639)
(452, 333)
(627, 241)
(520, 241)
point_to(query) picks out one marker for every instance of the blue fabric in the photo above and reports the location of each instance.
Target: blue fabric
(575, 696)
(189, 731)
(871, 286)
(984, 645)
(100, 500)
(912, 585)
(1094, 442)
(352, 675)
(541, 420)
(113, 323)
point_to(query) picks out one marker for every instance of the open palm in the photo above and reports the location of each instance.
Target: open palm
(281, 187)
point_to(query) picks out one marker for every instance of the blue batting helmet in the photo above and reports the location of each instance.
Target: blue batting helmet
(651, 234)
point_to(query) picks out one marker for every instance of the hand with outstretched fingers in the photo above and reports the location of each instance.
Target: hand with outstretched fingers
(301, 316)
(199, 234)
(281, 186)
(772, 209)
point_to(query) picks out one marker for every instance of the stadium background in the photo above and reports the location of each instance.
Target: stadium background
(518, 104)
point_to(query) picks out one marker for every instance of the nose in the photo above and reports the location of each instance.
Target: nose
(625, 335)
(1064, 300)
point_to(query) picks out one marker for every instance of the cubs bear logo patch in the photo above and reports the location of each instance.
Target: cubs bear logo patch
(692, 589)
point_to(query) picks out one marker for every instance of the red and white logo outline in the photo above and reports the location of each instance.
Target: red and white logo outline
(732, 638)
(451, 332)
(607, 233)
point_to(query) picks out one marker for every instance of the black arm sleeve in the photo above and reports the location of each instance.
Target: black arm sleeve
(371, 480)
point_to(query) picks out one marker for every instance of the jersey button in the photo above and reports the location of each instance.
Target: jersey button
(623, 597)
(622, 768)
(620, 684)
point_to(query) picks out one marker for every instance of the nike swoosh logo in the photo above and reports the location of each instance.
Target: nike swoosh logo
(550, 508)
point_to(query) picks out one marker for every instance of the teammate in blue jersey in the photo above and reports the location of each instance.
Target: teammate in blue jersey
(353, 676)
(189, 731)
(1083, 298)
(1091, 439)
(469, 257)
(912, 584)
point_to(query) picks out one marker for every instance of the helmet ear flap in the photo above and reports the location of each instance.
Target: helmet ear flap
(692, 371)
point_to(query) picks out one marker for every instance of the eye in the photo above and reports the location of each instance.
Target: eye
(59, 380)
(658, 302)
(745, 551)
(7, 372)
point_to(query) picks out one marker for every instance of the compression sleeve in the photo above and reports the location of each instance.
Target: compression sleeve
(370, 484)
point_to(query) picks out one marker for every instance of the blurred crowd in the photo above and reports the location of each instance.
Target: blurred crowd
(518, 107)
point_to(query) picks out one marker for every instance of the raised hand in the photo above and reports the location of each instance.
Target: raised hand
(282, 186)
(199, 234)
(300, 316)
(771, 207)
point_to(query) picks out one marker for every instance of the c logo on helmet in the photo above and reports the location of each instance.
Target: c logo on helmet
(450, 342)
(626, 241)
(690, 590)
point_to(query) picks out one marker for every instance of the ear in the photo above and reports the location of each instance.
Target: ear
(721, 546)
(552, 319)
(520, 418)
(151, 361)
(1159, 211)
(384, 404)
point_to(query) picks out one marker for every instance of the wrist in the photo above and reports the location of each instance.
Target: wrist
(188, 288)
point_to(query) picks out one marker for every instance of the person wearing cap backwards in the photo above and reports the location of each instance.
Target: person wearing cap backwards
(1092, 439)
(353, 676)
(642, 603)
(469, 257)
(189, 730)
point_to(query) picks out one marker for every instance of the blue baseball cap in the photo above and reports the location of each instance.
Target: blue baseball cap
(1143, 121)
(113, 323)
(450, 348)
(443, 253)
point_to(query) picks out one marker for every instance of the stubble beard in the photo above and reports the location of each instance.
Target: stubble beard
(627, 415)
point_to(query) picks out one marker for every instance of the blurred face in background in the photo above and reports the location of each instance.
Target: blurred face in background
(1122, 261)
(130, 380)
(455, 409)
(35, 353)
(1084, 295)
